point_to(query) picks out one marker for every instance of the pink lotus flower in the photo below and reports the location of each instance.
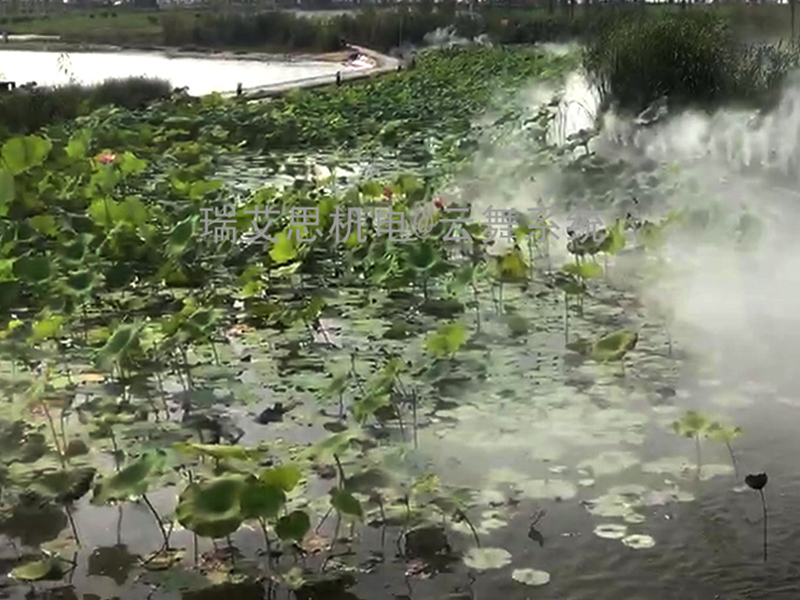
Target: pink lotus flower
(106, 158)
(439, 203)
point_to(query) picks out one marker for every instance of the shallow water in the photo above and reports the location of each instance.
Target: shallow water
(200, 75)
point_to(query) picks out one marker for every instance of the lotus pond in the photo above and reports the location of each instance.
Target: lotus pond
(473, 418)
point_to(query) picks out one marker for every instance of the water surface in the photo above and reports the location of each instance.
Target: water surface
(200, 75)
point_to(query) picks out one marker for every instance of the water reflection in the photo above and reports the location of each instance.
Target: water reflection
(200, 75)
(34, 525)
(114, 562)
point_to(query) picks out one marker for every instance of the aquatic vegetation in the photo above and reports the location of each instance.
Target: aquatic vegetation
(692, 424)
(611, 532)
(638, 542)
(24, 111)
(447, 339)
(725, 435)
(691, 57)
(483, 559)
(532, 577)
(759, 482)
(293, 388)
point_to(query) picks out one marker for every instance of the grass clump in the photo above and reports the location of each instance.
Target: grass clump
(693, 58)
(24, 111)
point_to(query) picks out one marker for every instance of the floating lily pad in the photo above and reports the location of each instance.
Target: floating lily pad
(634, 518)
(531, 577)
(491, 524)
(639, 542)
(38, 570)
(611, 532)
(482, 559)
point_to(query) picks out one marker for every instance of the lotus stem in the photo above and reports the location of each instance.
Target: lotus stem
(72, 524)
(764, 508)
(158, 521)
(460, 513)
(114, 446)
(733, 460)
(405, 526)
(414, 410)
(231, 550)
(55, 435)
(267, 543)
(697, 444)
(383, 521)
(324, 518)
(477, 307)
(62, 422)
(396, 408)
(341, 471)
(335, 537)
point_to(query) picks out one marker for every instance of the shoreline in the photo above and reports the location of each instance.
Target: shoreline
(336, 57)
(376, 62)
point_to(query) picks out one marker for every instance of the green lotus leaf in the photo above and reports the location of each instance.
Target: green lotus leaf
(692, 423)
(284, 250)
(7, 191)
(64, 486)
(293, 526)
(131, 481)
(38, 570)
(219, 451)
(345, 503)
(33, 268)
(584, 270)
(447, 339)
(284, 477)
(81, 282)
(724, 435)
(260, 499)
(212, 509)
(614, 346)
(22, 153)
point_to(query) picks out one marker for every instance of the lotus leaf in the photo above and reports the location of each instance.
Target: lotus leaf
(38, 570)
(345, 503)
(213, 509)
(293, 526)
(614, 346)
(132, 481)
(285, 477)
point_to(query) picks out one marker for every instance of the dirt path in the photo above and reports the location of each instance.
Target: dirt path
(382, 64)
